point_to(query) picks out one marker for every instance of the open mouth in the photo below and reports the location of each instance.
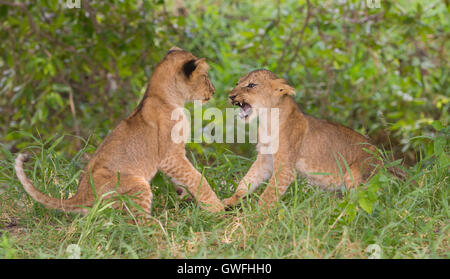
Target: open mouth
(246, 109)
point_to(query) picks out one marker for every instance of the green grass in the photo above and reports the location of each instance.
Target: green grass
(405, 220)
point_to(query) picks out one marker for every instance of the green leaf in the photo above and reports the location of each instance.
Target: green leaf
(437, 125)
(366, 205)
(58, 87)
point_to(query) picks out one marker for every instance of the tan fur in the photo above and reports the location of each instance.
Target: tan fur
(141, 144)
(307, 145)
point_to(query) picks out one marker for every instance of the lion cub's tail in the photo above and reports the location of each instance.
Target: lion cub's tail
(54, 203)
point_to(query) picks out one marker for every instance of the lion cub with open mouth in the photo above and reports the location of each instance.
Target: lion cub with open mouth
(141, 144)
(309, 146)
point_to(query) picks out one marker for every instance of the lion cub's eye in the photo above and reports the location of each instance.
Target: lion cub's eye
(251, 85)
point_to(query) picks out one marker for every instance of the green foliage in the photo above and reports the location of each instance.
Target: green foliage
(75, 70)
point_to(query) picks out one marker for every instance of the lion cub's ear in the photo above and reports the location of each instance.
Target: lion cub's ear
(174, 48)
(194, 65)
(281, 87)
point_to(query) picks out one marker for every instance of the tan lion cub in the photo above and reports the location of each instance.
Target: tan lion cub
(305, 144)
(141, 144)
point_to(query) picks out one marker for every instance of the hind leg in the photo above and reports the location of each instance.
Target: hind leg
(139, 192)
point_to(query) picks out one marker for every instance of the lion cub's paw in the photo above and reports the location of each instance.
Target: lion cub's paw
(229, 202)
(213, 208)
(235, 198)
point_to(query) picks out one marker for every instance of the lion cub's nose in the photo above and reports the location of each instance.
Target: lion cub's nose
(232, 97)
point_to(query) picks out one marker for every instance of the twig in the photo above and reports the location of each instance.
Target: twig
(75, 121)
(13, 4)
(281, 60)
(302, 32)
(92, 16)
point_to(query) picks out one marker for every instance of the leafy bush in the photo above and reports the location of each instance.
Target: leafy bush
(380, 71)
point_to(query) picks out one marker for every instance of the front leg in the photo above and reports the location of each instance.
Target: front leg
(282, 177)
(183, 173)
(260, 171)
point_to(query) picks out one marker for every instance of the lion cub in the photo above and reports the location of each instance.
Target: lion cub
(309, 146)
(141, 144)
